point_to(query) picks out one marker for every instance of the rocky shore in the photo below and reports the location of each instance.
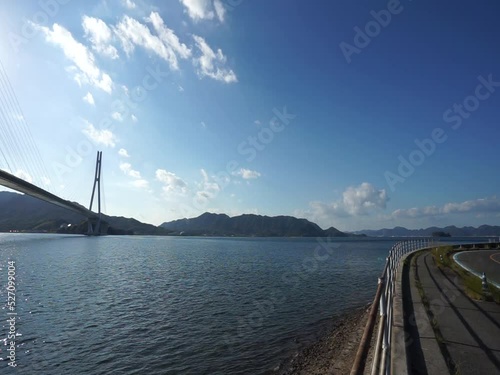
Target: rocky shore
(333, 353)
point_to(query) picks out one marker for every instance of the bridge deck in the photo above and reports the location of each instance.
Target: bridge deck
(18, 184)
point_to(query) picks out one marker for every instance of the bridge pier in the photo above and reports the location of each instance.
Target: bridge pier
(95, 230)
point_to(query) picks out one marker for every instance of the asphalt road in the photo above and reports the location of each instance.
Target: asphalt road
(487, 261)
(470, 329)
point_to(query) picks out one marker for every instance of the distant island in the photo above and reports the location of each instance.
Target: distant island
(449, 231)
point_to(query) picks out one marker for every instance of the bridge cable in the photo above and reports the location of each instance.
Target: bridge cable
(4, 145)
(3, 155)
(6, 140)
(10, 140)
(23, 132)
(12, 129)
(34, 153)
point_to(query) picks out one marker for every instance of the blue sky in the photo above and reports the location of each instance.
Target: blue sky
(353, 114)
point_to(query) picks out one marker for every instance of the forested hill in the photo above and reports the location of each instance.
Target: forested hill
(211, 224)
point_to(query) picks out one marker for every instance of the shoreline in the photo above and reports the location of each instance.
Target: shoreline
(334, 351)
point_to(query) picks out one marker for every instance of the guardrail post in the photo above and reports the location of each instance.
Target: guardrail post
(383, 312)
(386, 320)
(359, 361)
(484, 281)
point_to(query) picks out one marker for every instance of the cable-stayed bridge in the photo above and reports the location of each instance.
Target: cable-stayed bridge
(94, 218)
(19, 155)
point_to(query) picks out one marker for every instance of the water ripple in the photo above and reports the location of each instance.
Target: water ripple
(161, 305)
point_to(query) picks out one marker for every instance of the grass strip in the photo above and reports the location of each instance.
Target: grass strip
(443, 257)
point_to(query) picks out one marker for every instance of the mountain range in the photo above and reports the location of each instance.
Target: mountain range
(23, 213)
(483, 230)
(20, 212)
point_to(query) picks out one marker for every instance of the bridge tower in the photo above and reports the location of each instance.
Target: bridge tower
(94, 228)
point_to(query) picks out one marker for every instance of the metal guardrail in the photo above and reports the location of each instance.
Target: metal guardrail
(384, 303)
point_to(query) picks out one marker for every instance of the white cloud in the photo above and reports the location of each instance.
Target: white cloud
(359, 200)
(205, 9)
(478, 206)
(134, 118)
(117, 116)
(134, 174)
(220, 11)
(89, 98)
(203, 125)
(141, 183)
(127, 169)
(85, 69)
(166, 45)
(129, 4)
(24, 175)
(171, 182)
(199, 9)
(104, 137)
(100, 36)
(246, 174)
(212, 64)
(180, 88)
(209, 188)
(168, 36)
(356, 201)
(256, 122)
(123, 152)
